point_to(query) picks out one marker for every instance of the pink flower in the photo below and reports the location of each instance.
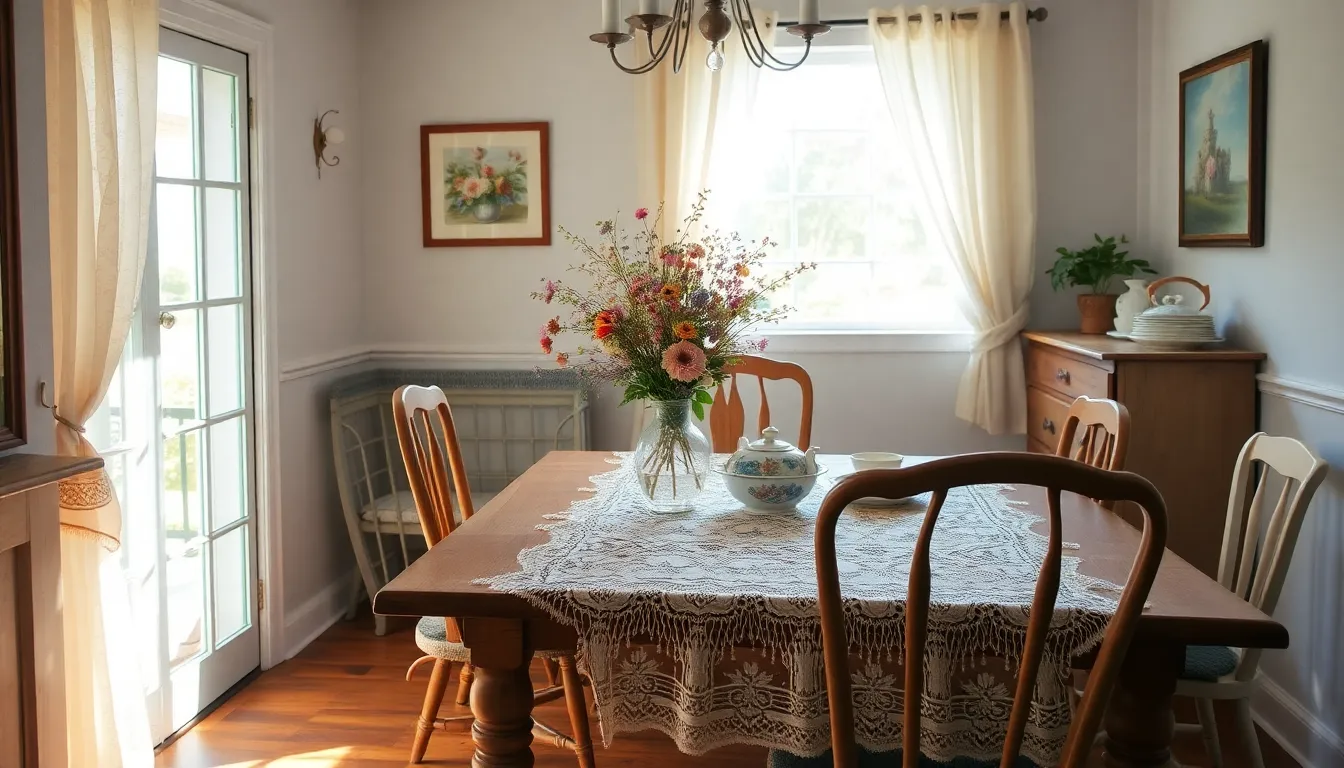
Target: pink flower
(696, 251)
(562, 359)
(670, 258)
(642, 214)
(474, 188)
(478, 154)
(549, 293)
(760, 345)
(515, 156)
(684, 361)
(487, 171)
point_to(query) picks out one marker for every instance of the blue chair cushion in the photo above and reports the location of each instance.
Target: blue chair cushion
(780, 759)
(1208, 662)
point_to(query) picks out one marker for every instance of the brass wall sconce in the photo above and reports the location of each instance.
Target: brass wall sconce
(326, 137)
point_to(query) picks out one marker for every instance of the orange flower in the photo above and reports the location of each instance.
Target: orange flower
(603, 331)
(742, 270)
(562, 359)
(685, 330)
(605, 317)
(553, 326)
(670, 292)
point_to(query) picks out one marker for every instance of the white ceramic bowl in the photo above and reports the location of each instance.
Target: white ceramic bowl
(876, 460)
(770, 494)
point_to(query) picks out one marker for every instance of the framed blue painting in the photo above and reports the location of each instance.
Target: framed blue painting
(1222, 123)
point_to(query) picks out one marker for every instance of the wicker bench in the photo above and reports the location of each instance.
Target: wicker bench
(505, 420)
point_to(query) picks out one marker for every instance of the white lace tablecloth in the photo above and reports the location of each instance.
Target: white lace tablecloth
(723, 603)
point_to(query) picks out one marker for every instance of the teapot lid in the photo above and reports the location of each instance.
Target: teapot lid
(1172, 306)
(767, 442)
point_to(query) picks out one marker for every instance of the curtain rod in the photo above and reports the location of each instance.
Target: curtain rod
(1033, 14)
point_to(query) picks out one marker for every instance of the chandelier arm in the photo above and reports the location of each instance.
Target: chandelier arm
(642, 69)
(661, 53)
(760, 49)
(684, 9)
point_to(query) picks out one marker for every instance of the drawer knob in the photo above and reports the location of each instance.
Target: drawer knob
(1048, 426)
(1062, 375)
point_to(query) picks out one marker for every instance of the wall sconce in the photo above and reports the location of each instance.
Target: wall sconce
(323, 138)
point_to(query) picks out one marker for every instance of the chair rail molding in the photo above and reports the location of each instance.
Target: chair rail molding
(446, 356)
(1309, 393)
(1304, 736)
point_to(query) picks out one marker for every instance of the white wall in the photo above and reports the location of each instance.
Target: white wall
(428, 302)
(319, 269)
(1282, 298)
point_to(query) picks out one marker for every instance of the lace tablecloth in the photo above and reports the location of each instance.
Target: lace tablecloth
(725, 599)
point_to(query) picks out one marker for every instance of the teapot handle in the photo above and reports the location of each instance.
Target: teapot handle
(1152, 289)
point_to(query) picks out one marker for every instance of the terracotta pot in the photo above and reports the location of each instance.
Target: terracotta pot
(1097, 311)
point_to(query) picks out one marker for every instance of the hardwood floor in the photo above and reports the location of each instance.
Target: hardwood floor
(343, 702)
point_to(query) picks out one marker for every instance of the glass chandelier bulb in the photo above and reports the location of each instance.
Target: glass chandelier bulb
(715, 60)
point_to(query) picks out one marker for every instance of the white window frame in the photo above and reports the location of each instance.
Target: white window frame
(219, 24)
(856, 338)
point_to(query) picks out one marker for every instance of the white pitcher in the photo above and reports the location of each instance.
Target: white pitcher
(1131, 303)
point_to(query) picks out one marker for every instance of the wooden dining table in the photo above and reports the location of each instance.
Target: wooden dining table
(503, 630)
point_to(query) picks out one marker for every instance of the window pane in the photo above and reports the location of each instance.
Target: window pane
(183, 489)
(176, 221)
(231, 585)
(219, 92)
(225, 345)
(832, 228)
(832, 161)
(228, 473)
(223, 258)
(175, 141)
(180, 371)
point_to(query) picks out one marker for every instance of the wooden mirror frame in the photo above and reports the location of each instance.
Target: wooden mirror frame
(13, 430)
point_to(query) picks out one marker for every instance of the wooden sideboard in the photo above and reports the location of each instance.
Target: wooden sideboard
(1190, 413)
(32, 646)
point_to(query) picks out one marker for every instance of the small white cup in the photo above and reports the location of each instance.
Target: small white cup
(876, 460)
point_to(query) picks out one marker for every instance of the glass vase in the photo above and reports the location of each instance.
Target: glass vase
(672, 457)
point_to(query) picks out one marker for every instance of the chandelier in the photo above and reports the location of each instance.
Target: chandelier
(716, 24)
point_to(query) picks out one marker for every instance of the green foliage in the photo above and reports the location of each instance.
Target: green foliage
(1097, 266)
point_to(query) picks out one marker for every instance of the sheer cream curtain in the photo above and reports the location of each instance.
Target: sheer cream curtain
(960, 94)
(102, 70)
(686, 122)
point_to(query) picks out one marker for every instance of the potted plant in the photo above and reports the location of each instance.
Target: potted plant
(1094, 268)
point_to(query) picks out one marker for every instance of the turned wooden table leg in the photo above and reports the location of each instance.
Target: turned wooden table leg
(1140, 724)
(501, 693)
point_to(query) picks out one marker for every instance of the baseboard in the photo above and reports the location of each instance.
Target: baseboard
(318, 613)
(1302, 735)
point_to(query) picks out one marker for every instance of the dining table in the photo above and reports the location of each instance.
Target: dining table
(461, 577)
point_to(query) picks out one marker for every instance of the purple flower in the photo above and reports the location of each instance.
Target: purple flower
(698, 298)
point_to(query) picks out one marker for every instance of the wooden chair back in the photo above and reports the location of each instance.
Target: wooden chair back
(1054, 473)
(1105, 438)
(1254, 565)
(727, 417)
(431, 457)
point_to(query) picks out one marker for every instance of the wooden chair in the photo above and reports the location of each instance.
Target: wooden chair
(1105, 439)
(432, 455)
(1051, 472)
(1255, 570)
(727, 417)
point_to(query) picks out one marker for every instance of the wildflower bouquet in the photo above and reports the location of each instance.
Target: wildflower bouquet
(664, 320)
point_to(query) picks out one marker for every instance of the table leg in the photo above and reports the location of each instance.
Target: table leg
(501, 693)
(1139, 722)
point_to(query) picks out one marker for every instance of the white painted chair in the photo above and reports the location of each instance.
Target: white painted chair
(1255, 570)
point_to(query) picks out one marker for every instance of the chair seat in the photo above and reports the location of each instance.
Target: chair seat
(1208, 663)
(781, 759)
(431, 635)
(384, 509)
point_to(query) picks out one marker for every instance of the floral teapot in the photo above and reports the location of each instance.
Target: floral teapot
(770, 474)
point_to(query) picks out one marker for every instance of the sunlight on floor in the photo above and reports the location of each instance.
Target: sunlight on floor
(326, 758)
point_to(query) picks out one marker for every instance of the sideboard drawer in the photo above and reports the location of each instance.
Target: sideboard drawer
(1067, 376)
(1045, 417)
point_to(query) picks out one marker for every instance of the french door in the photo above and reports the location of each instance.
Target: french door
(177, 425)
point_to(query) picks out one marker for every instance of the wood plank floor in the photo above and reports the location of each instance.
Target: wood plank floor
(344, 702)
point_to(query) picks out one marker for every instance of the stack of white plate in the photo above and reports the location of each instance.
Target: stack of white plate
(1172, 331)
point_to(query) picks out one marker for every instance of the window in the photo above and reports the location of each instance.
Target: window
(821, 178)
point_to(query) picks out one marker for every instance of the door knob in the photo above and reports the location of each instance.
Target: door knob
(167, 320)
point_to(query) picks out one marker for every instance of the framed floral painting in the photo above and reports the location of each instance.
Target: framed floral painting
(485, 184)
